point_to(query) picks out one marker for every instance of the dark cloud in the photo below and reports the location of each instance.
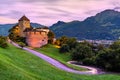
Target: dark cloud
(115, 3)
(2, 14)
(46, 16)
(51, 16)
(59, 10)
(37, 1)
(7, 2)
(54, 9)
(12, 14)
(117, 8)
(89, 12)
(11, 2)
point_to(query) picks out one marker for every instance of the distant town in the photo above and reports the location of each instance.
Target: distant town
(97, 42)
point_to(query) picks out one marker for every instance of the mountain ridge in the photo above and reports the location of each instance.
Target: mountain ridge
(104, 25)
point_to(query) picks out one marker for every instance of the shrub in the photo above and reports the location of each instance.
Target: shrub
(81, 52)
(3, 45)
(64, 48)
(109, 59)
(21, 44)
(3, 42)
(51, 37)
(115, 45)
(89, 61)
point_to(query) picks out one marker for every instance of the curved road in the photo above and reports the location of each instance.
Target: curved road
(58, 64)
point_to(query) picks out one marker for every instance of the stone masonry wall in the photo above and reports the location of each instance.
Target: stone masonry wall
(23, 25)
(36, 39)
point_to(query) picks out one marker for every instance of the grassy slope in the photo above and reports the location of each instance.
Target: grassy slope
(16, 64)
(53, 52)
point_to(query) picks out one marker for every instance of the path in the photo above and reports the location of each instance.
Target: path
(58, 64)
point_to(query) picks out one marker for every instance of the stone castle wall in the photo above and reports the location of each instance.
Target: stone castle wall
(36, 39)
(23, 25)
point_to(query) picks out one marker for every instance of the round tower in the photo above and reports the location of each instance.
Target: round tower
(36, 38)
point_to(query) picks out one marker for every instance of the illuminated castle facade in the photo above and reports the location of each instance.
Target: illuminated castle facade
(35, 37)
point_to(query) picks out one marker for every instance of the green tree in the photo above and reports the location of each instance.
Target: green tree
(62, 40)
(89, 61)
(115, 45)
(72, 43)
(109, 59)
(51, 37)
(86, 43)
(3, 42)
(57, 42)
(64, 48)
(67, 44)
(21, 44)
(100, 47)
(101, 57)
(81, 52)
(13, 34)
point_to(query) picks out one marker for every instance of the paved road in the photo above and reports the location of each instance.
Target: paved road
(60, 65)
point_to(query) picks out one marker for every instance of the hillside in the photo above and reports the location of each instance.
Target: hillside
(17, 64)
(4, 28)
(104, 25)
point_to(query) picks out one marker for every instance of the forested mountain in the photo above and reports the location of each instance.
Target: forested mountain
(104, 25)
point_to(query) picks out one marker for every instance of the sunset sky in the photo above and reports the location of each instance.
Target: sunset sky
(47, 12)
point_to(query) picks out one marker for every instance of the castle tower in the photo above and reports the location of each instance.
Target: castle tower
(23, 23)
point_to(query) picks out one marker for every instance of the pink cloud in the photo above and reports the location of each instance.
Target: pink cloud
(47, 12)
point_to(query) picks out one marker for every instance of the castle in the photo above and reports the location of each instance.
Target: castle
(35, 37)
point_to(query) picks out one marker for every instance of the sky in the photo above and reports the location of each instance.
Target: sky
(48, 12)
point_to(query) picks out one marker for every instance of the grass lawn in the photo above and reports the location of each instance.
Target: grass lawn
(53, 52)
(17, 64)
